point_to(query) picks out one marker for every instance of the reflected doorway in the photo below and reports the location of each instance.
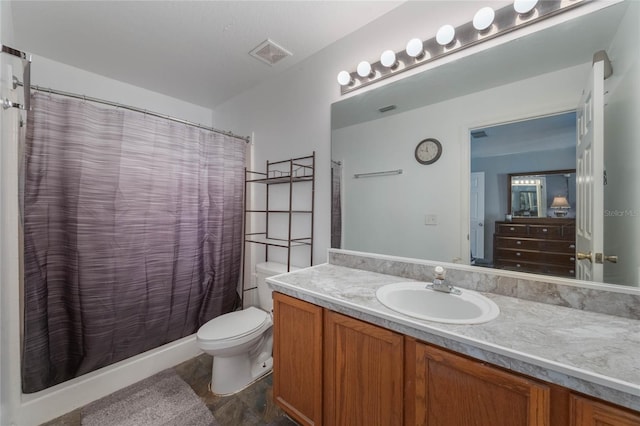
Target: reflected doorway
(476, 206)
(521, 147)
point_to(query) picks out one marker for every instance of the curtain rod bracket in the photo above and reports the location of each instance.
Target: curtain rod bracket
(6, 104)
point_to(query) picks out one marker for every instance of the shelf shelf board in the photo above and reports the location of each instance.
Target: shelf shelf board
(282, 179)
(278, 242)
(278, 211)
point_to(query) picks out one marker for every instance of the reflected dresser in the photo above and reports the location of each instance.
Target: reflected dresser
(542, 246)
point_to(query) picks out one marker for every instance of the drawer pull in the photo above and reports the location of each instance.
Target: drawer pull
(518, 254)
(517, 265)
(572, 246)
(544, 229)
(512, 229)
(572, 271)
(518, 242)
(572, 259)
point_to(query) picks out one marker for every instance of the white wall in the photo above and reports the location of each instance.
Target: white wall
(51, 74)
(393, 220)
(622, 151)
(9, 244)
(9, 261)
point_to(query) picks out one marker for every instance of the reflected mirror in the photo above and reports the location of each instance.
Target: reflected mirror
(428, 211)
(542, 194)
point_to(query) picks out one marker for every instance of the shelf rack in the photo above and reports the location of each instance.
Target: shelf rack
(285, 172)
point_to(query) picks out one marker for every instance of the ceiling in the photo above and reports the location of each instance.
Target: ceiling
(197, 51)
(552, 132)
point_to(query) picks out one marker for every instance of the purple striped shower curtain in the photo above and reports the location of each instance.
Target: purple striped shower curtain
(336, 204)
(132, 235)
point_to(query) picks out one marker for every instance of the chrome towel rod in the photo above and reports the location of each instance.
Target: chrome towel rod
(372, 174)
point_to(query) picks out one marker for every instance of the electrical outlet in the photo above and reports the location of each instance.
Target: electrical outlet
(431, 219)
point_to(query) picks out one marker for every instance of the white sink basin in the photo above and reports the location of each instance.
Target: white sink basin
(412, 298)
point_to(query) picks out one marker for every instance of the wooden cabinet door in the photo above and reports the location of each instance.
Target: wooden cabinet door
(297, 358)
(454, 390)
(363, 376)
(586, 412)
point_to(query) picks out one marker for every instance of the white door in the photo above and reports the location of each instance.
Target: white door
(476, 235)
(590, 177)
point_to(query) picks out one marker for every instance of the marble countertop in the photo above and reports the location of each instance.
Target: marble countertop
(592, 353)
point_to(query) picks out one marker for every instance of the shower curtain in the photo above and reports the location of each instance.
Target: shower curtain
(336, 204)
(132, 235)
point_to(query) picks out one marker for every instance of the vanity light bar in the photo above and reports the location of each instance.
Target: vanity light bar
(486, 25)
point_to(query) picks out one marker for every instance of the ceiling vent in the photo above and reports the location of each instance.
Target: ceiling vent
(478, 134)
(387, 108)
(270, 52)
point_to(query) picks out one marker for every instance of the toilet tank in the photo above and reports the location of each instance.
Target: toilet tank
(264, 270)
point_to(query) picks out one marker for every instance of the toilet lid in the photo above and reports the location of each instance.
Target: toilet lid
(232, 325)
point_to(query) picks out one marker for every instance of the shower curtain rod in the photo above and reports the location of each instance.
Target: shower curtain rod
(135, 109)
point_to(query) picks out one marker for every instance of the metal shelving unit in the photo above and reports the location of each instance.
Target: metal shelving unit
(286, 172)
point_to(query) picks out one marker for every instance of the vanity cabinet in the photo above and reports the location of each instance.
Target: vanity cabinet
(332, 369)
(361, 379)
(297, 358)
(543, 246)
(588, 412)
(363, 373)
(449, 389)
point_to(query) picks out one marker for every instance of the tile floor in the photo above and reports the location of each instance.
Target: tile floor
(252, 406)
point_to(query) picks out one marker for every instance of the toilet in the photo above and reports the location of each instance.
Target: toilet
(241, 341)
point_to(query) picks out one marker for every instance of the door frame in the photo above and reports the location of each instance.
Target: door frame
(465, 175)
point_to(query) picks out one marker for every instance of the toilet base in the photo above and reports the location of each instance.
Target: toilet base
(230, 375)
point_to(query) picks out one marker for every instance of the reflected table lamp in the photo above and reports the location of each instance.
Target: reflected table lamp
(561, 206)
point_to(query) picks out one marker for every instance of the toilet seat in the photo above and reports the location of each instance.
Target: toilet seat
(234, 325)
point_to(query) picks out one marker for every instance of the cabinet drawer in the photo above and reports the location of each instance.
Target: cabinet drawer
(545, 231)
(558, 246)
(511, 229)
(537, 268)
(537, 256)
(565, 232)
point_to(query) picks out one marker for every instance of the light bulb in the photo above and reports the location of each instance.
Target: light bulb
(415, 48)
(344, 78)
(388, 59)
(524, 6)
(445, 35)
(364, 69)
(483, 18)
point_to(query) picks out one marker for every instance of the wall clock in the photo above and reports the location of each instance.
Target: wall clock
(428, 151)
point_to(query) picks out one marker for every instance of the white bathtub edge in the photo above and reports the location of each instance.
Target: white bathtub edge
(60, 399)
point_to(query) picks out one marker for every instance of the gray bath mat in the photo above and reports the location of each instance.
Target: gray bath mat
(161, 400)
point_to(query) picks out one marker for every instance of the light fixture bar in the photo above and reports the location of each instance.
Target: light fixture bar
(466, 35)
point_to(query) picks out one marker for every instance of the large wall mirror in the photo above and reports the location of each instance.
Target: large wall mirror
(384, 201)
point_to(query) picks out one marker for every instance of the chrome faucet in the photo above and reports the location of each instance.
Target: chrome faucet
(439, 284)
